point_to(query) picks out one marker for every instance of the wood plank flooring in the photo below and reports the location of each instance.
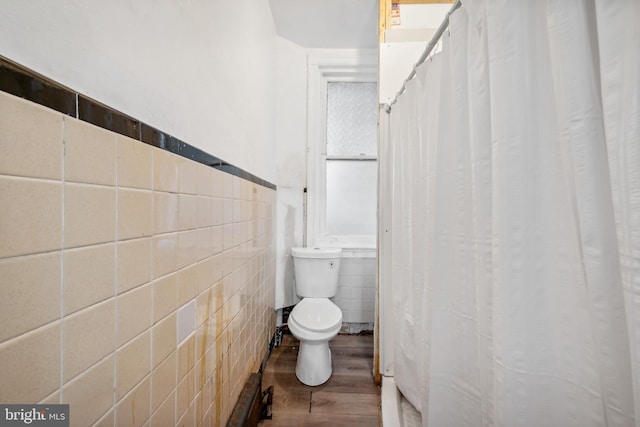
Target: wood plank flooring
(349, 398)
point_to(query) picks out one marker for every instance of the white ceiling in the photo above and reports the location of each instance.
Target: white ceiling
(336, 24)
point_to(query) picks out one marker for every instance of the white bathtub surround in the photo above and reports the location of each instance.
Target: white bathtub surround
(390, 403)
(356, 290)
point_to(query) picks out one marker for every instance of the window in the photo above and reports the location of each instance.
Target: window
(351, 158)
(342, 182)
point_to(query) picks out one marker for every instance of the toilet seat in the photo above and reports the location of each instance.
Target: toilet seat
(317, 315)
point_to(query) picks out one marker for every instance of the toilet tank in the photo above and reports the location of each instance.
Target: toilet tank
(316, 271)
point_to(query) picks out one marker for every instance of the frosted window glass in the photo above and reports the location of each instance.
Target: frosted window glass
(352, 118)
(351, 197)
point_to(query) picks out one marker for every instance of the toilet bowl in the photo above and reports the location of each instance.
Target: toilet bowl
(314, 321)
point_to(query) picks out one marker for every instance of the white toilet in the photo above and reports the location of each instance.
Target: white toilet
(315, 320)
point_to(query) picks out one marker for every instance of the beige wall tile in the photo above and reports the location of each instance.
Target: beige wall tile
(205, 180)
(30, 293)
(134, 213)
(237, 183)
(186, 357)
(187, 212)
(187, 248)
(30, 365)
(227, 236)
(164, 338)
(239, 233)
(89, 336)
(238, 210)
(163, 380)
(133, 363)
(90, 215)
(89, 153)
(107, 420)
(217, 239)
(203, 307)
(165, 249)
(188, 172)
(217, 211)
(166, 414)
(204, 246)
(227, 213)
(203, 367)
(28, 150)
(227, 262)
(90, 395)
(89, 275)
(134, 313)
(205, 214)
(134, 263)
(165, 171)
(227, 186)
(53, 398)
(188, 419)
(185, 393)
(204, 269)
(203, 403)
(187, 284)
(218, 182)
(217, 296)
(31, 216)
(134, 164)
(216, 267)
(165, 296)
(165, 212)
(134, 409)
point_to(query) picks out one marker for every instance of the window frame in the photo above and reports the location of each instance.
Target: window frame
(325, 67)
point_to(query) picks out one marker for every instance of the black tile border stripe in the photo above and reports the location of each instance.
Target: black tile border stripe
(107, 118)
(16, 81)
(24, 83)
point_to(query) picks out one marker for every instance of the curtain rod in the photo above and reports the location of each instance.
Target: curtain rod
(432, 44)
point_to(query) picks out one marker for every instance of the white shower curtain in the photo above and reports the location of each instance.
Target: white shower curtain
(515, 226)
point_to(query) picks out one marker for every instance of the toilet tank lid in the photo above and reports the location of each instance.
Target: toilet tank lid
(316, 252)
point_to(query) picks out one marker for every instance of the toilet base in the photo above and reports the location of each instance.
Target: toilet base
(314, 363)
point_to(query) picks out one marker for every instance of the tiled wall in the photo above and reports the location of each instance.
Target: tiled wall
(356, 293)
(112, 249)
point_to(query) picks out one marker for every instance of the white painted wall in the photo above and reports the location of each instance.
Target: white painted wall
(291, 166)
(202, 71)
(405, 44)
(396, 62)
(422, 15)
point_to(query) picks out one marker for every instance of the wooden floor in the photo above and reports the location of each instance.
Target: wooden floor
(349, 398)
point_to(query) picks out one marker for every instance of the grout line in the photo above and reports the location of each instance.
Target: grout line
(62, 257)
(310, 399)
(115, 282)
(151, 284)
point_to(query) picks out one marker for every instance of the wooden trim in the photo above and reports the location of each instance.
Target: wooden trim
(385, 18)
(384, 13)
